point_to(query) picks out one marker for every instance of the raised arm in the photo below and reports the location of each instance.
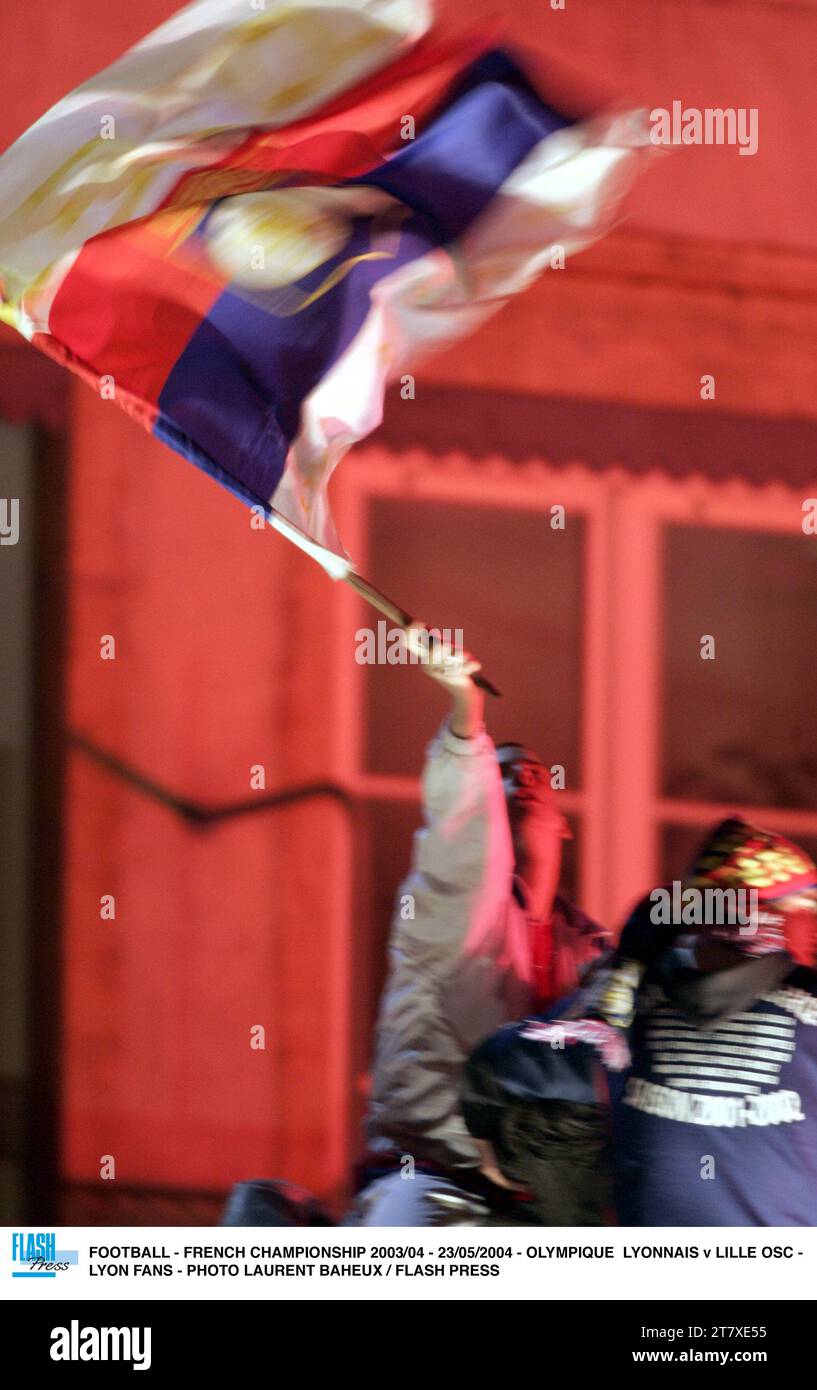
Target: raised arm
(462, 860)
(451, 959)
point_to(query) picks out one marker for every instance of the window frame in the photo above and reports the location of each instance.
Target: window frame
(376, 472)
(619, 802)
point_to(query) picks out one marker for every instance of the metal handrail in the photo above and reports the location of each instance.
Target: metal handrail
(200, 814)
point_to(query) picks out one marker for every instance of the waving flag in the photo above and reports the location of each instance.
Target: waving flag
(252, 221)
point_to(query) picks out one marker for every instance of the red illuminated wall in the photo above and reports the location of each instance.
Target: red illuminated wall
(219, 667)
(225, 638)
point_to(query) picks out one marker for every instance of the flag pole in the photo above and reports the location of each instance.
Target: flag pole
(339, 567)
(402, 619)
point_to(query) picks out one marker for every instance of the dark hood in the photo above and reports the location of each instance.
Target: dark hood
(708, 997)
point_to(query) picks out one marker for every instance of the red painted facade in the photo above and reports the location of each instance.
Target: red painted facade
(233, 652)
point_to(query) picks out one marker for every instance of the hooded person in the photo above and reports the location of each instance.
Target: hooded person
(717, 1122)
(712, 1089)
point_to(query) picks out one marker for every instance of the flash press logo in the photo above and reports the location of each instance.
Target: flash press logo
(75, 1343)
(36, 1255)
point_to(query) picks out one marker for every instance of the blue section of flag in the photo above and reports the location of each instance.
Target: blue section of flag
(168, 433)
(238, 386)
(236, 392)
(454, 168)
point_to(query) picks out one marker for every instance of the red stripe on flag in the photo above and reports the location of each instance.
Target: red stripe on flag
(132, 301)
(352, 135)
(139, 410)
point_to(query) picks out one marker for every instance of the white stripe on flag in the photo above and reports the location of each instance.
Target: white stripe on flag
(113, 149)
(563, 194)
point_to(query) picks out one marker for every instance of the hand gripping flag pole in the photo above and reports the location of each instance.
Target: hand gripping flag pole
(404, 620)
(340, 568)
